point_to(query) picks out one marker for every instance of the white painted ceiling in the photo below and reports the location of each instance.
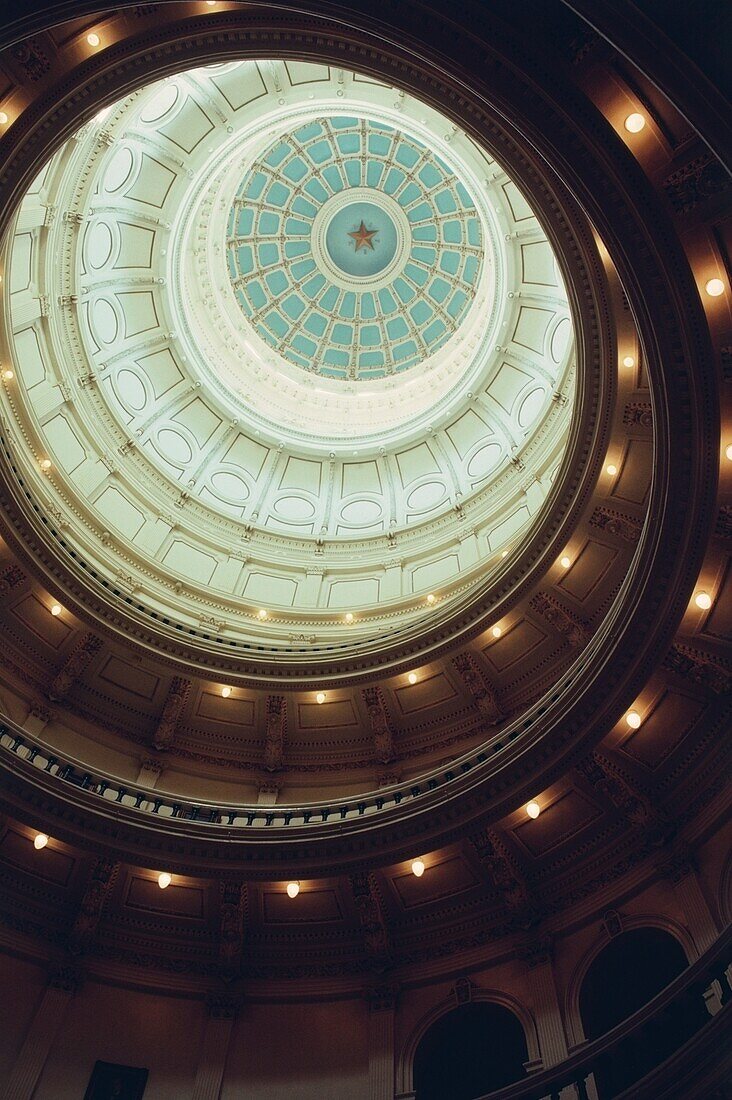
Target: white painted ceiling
(217, 461)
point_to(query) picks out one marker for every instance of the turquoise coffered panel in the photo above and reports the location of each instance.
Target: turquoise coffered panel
(366, 302)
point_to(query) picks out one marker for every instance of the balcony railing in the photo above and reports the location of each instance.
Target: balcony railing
(17, 743)
(709, 978)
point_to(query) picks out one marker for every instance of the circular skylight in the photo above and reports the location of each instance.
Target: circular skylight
(354, 250)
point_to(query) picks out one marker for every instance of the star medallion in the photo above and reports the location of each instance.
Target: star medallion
(363, 237)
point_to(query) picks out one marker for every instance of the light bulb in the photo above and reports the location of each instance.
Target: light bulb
(40, 840)
(93, 39)
(226, 692)
(628, 361)
(633, 719)
(533, 809)
(262, 613)
(611, 468)
(418, 868)
(3, 118)
(565, 562)
(504, 553)
(320, 697)
(714, 287)
(728, 452)
(634, 123)
(46, 464)
(703, 600)
(431, 598)
(348, 617)
(8, 374)
(496, 632)
(293, 889)
(412, 677)
(164, 880)
(56, 609)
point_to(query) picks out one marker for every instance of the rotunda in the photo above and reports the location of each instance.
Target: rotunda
(364, 553)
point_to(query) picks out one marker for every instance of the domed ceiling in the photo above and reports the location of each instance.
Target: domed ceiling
(294, 364)
(353, 250)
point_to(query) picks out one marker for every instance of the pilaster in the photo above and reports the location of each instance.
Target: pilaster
(382, 1005)
(222, 1011)
(62, 985)
(680, 871)
(549, 1024)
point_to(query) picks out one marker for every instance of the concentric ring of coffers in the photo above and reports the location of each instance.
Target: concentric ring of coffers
(354, 250)
(198, 467)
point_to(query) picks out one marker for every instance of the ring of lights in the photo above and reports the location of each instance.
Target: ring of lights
(211, 490)
(656, 588)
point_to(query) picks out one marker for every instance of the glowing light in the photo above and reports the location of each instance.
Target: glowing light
(628, 361)
(93, 39)
(611, 469)
(418, 868)
(3, 118)
(262, 613)
(634, 123)
(320, 697)
(504, 553)
(714, 287)
(40, 840)
(533, 809)
(412, 677)
(348, 617)
(164, 880)
(8, 375)
(496, 632)
(56, 609)
(431, 598)
(728, 452)
(293, 889)
(703, 600)
(226, 692)
(633, 719)
(46, 464)
(565, 562)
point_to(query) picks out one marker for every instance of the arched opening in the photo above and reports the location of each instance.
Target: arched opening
(626, 974)
(468, 1052)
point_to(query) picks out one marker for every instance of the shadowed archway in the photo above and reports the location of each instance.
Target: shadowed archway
(652, 958)
(468, 1052)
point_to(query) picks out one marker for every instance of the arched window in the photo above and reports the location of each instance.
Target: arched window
(628, 973)
(468, 1052)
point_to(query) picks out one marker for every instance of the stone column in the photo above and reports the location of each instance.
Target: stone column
(312, 585)
(549, 1022)
(696, 911)
(222, 1010)
(149, 773)
(382, 1004)
(63, 984)
(38, 718)
(469, 550)
(391, 583)
(680, 871)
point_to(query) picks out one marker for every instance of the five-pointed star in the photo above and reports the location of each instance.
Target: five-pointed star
(363, 236)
